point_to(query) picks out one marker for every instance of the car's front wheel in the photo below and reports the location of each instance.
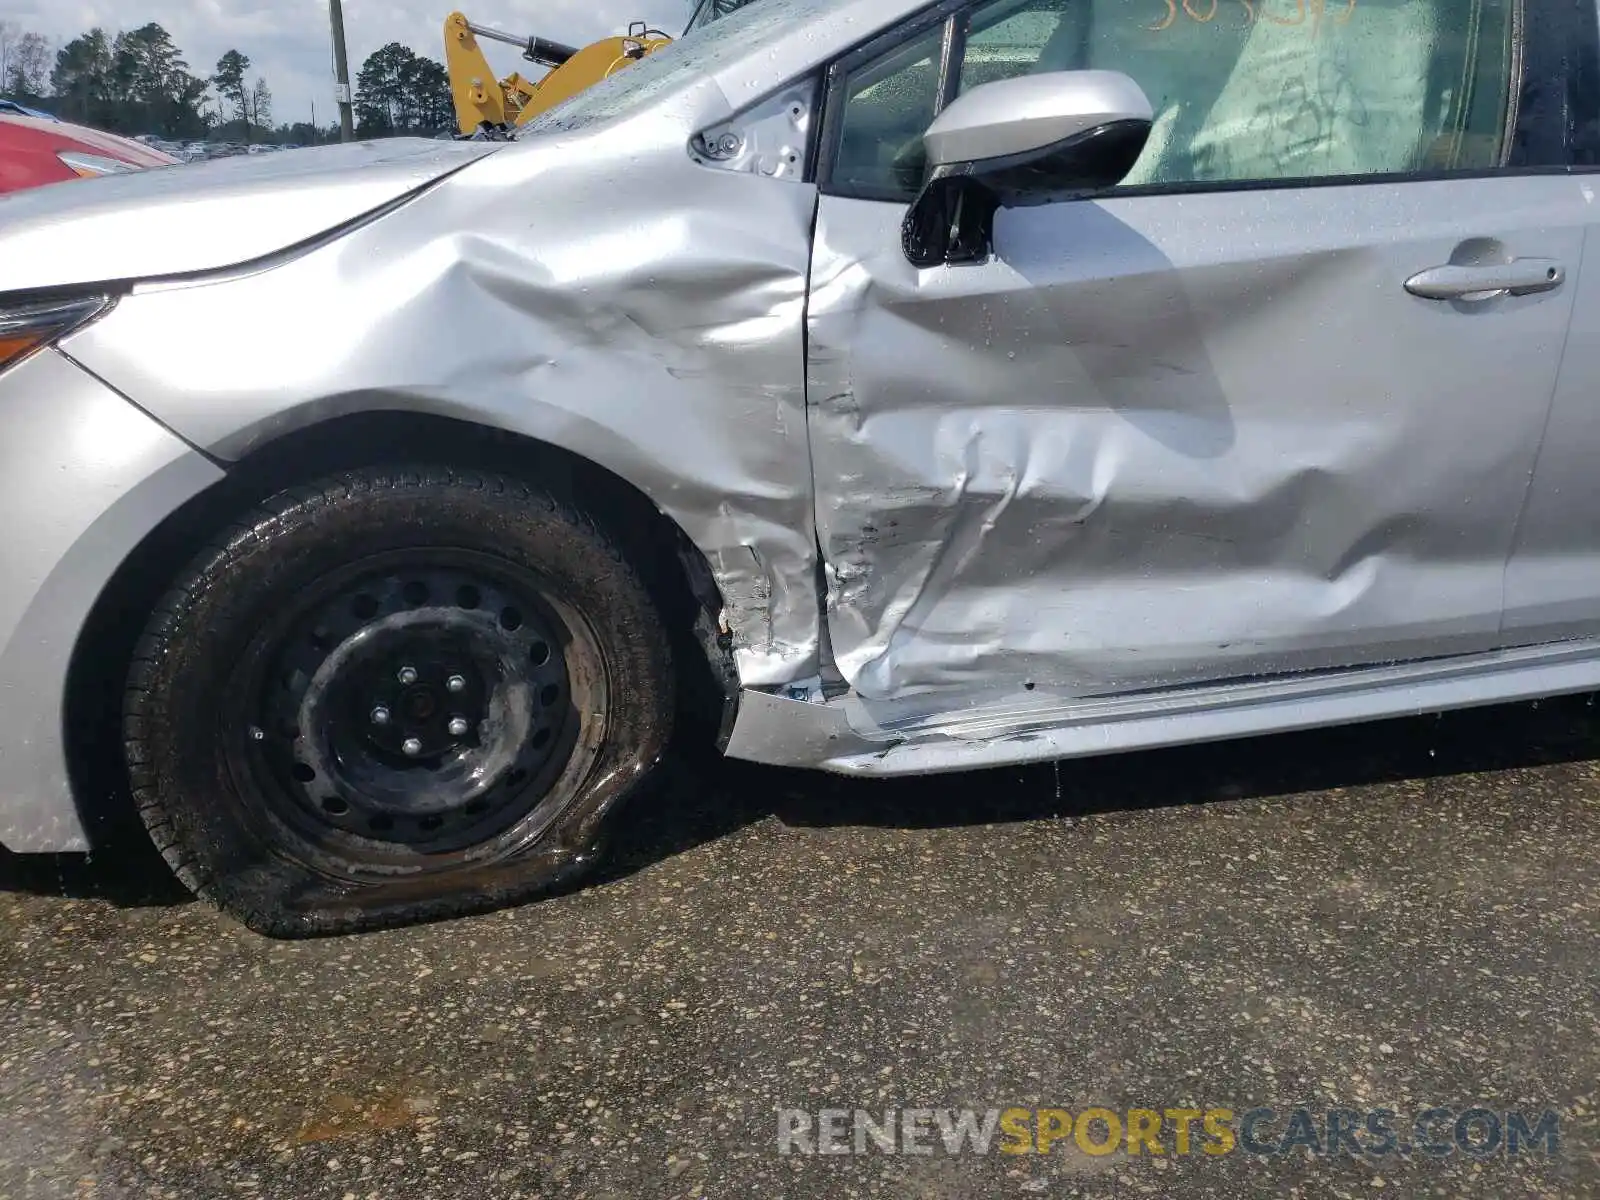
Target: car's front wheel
(392, 695)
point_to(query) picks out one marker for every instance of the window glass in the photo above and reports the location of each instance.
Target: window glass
(1019, 37)
(889, 105)
(1243, 90)
(743, 32)
(711, 10)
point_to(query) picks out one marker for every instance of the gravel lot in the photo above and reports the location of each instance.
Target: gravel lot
(1398, 915)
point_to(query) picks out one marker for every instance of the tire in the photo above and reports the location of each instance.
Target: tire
(395, 695)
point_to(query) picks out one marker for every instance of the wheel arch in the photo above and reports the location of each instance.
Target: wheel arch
(674, 568)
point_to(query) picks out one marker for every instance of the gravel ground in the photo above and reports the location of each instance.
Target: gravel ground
(1396, 916)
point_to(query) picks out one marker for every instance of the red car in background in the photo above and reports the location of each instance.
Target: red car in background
(34, 151)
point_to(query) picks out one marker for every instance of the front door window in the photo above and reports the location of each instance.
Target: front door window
(1243, 90)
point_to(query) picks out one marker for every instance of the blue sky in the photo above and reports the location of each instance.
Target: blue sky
(288, 43)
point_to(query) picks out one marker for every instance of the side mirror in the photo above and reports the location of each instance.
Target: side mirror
(1058, 135)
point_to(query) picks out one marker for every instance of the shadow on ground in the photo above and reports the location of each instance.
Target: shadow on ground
(705, 802)
(706, 798)
(127, 874)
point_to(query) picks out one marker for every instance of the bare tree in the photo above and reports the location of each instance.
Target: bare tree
(261, 104)
(27, 71)
(9, 32)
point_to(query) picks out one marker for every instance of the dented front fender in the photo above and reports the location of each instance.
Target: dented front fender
(631, 307)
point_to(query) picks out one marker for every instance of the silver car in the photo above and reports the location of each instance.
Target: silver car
(867, 385)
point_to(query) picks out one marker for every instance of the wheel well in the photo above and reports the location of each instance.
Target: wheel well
(674, 570)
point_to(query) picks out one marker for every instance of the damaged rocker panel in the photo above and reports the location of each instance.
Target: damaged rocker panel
(843, 737)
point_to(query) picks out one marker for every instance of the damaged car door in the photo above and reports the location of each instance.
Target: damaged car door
(1271, 406)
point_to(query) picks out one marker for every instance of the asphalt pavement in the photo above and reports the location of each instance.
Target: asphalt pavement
(1399, 917)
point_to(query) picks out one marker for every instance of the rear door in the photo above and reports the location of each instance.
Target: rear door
(1268, 408)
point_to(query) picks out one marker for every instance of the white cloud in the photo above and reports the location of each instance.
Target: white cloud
(289, 44)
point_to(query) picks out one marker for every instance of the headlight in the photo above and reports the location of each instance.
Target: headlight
(89, 165)
(25, 328)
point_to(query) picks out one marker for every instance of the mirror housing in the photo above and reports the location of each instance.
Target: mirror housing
(1058, 135)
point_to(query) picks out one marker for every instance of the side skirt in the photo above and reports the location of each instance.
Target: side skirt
(851, 736)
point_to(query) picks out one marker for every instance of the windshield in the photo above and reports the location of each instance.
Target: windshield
(742, 28)
(708, 11)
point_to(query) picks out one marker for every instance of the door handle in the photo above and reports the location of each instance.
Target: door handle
(1520, 277)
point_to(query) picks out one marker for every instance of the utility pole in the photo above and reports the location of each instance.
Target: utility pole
(341, 73)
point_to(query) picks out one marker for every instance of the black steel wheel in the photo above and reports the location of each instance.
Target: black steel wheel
(396, 695)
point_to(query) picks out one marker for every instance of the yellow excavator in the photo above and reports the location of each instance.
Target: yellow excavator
(488, 105)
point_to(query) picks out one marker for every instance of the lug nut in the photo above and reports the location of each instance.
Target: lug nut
(412, 747)
(458, 727)
(408, 675)
(380, 715)
(456, 683)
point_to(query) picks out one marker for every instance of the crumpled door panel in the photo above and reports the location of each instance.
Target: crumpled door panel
(1164, 440)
